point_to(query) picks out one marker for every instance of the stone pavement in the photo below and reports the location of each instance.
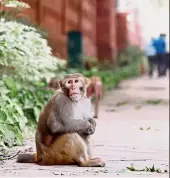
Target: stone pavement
(130, 130)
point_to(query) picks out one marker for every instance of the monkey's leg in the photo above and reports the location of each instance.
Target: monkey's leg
(83, 159)
(39, 150)
(96, 106)
(96, 162)
(89, 144)
(40, 147)
(61, 151)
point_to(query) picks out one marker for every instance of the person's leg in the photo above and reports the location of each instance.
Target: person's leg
(163, 65)
(167, 60)
(150, 64)
(159, 64)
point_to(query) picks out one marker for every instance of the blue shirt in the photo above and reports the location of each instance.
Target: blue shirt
(160, 45)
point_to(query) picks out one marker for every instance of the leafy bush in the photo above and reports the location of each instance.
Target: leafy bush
(19, 109)
(23, 49)
(130, 55)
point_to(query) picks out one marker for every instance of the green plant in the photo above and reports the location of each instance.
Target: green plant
(129, 55)
(147, 169)
(154, 101)
(20, 104)
(23, 50)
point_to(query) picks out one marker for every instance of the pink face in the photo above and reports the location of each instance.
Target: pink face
(75, 87)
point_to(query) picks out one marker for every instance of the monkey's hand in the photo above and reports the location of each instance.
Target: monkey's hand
(92, 127)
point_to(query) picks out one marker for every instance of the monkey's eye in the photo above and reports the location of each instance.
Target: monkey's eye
(81, 88)
(76, 81)
(69, 82)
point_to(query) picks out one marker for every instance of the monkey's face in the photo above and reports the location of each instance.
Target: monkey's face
(74, 86)
(75, 89)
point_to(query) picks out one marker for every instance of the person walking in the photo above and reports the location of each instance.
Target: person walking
(161, 54)
(150, 53)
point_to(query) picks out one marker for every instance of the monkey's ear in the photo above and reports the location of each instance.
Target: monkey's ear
(88, 81)
(60, 83)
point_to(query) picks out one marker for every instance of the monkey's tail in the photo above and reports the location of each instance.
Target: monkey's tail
(27, 158)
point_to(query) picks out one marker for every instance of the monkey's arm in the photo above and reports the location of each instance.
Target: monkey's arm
(66, 124)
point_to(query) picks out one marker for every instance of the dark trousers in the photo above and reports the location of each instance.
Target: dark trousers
(151, 64)
(162, 62)
(167, 60)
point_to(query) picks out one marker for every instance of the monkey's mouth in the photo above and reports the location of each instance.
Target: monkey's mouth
(72, 94)
(75, 97)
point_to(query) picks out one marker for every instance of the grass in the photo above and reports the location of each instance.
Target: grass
(154, 101)
(147, 169)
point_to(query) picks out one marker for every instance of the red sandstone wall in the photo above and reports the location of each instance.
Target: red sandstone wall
(122, 31)
(60, 16)
(106, 29)
(89, 26)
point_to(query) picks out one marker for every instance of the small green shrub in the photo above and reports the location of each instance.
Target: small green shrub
(20, 105)
(130, 55)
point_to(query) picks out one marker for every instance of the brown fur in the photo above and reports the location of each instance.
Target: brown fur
(95, 90)
(67, 149)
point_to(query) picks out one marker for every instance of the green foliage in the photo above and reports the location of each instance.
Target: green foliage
(147, 169)
(20, 104)
(154, 101)
(130, 55)
(24, 50)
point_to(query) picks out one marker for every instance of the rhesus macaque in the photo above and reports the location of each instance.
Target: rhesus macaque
(64, 127)
(94, 90)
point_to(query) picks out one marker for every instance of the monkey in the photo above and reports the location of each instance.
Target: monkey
(94, 90)
(64, 127)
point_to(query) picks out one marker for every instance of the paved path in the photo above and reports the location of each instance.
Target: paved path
(133, 128)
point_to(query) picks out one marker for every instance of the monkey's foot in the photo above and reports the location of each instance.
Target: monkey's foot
(96, 162)
(99, 162)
